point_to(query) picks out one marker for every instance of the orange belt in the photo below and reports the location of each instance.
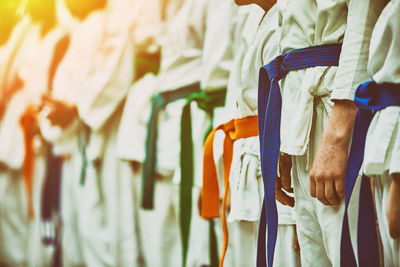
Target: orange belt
(29, 126)
(234, 130)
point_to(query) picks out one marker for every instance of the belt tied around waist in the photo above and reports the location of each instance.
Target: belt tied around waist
(269, 119)
(234, 130)
(369, 97)
(158, 102)
(207, 101)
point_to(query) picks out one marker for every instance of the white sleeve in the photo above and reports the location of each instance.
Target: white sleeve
(109, 80)
(352, 69)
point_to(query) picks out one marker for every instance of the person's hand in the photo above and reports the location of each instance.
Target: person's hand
(393, 207)
(60, 113)
(284, 182)
(328, 170)
(29, 121)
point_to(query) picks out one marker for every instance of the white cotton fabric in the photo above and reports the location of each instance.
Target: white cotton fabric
(25, 65)
(319, 227)
(20, 238)
(246, 182)
(70, 74)
(307, 100)
(246, 25)
(157, 229)
(187, 47)
(180, 65)
(252, 33)
(382, 150)
(216, 64)
(102, 218)
(147, 37)
(308, 23)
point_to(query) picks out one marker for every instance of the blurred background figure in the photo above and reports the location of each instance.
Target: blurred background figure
(9, 18)
(23, 151)
(90, 86)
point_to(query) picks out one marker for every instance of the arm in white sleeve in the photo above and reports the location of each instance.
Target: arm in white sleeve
(352, 70)
(108, 82)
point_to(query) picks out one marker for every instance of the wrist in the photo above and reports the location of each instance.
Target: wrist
(341, 123)
(396, 179)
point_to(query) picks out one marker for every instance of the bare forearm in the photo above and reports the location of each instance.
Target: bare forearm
(341, 122)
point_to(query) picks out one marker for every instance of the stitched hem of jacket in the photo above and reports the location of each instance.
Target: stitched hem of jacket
(342, 94)
(379, 168)
(294, 150)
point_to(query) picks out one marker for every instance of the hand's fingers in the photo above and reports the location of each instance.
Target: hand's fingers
(339, 186)
(284, 198)
(330, 193)
(286, 163)
(281, 196)
(321, 193)
(313, 187)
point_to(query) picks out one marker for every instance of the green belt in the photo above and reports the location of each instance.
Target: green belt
(158, 102)
(207, 102)
(146, 63)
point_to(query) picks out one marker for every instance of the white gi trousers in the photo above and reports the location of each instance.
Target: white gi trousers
(319, 227)
(20, 238)
(106, 216)
(70, 202)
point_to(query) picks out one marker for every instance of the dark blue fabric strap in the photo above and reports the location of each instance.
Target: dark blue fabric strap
(369, 97)
(269, 119)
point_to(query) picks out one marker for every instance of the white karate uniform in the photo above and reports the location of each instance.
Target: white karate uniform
(7, 52)
(180, 65)
(103, 212)
(20, 243)
(307, 100)
(257, 43)
(217, 59)
(382, 151)
(66, 84)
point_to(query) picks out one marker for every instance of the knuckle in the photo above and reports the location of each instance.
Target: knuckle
(329, 195)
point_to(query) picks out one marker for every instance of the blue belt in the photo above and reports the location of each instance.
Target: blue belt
(269, 120)
(369, 97)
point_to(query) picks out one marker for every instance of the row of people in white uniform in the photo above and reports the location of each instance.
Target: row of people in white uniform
(94, 109)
